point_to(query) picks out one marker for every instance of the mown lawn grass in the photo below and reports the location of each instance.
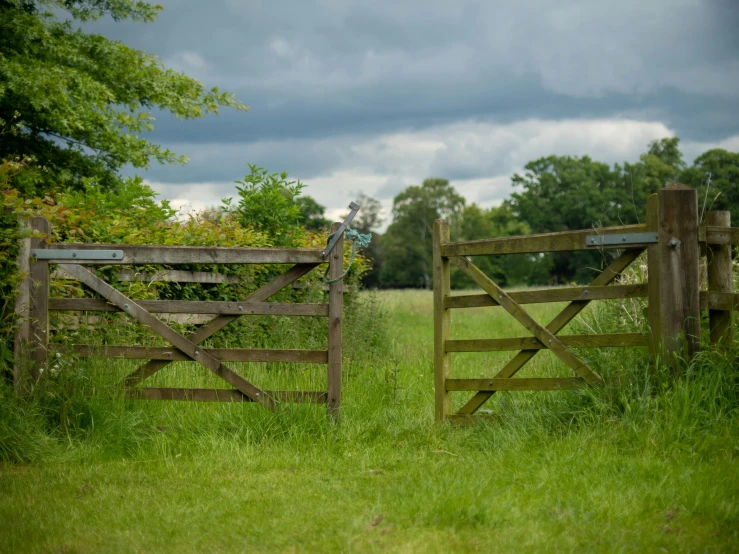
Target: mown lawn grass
(607, 471)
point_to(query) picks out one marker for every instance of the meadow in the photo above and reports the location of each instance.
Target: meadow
(648, 466)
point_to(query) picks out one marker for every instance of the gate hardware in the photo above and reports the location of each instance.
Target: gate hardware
(622, 238)
(354, 207)
(59, 254)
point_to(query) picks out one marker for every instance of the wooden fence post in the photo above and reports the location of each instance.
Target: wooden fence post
(39, 313)
(719, 280)
(22, 314)
(335, 314)
(674, 284)
(442, 322)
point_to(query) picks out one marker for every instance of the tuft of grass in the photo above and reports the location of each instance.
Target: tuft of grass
(646, 466)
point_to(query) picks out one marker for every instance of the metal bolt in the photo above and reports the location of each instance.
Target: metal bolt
(586, 291)
(74, 254)
(125, 306)
(500, 297)
(114, 254)
(490, 383)
(550, 341)
(197, 352)
(674, 242)
(241, 308)
(623, 239)
(257, 395)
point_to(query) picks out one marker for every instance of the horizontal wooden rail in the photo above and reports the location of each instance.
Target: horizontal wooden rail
(719, 235)
(529, 244)
(530, 343)
(222, 395)
(565, 294)
(711, 300)
(164, 276)
(172, 354)
(529, 383)
(145, 254)
(193, 307)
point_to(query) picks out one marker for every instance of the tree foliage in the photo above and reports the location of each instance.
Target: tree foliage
(78, 102)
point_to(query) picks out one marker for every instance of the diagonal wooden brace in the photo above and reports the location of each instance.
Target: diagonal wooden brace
(545, 336)
(215, 325)
(187, 347)
(607, 276)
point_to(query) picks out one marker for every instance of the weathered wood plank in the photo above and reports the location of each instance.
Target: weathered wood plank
(518, 384)
(164, 275)
(173, 255)
(172, 354)
(221, 395)
(194, 307)
(720, 279)
(336, 309)
(535, 328)
(442, 321)
(530, 343)
(724, 301)
(565, 294)
(721, 235)
(674, 272)
(608, 275)
(529, 244)
(187, 347)
(39, 313)
(212, 327)
(22, 314)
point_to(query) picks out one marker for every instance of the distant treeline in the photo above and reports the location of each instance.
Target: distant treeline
(555, 193)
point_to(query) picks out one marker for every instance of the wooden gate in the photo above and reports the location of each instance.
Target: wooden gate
(674, 242)
(33, 306)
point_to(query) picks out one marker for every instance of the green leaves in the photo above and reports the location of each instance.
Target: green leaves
(80, 102)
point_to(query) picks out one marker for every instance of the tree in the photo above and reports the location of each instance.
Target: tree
(312, 214)
(407, 243)
(77, 102)
(715, 174)
(368, 220)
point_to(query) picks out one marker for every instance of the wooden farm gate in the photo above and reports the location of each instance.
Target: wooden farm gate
(674, 242)
(33, 306)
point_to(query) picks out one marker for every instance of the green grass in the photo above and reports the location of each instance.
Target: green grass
(648, 467)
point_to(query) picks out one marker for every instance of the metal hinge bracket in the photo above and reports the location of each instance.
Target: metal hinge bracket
(624, 239)
(77, 255)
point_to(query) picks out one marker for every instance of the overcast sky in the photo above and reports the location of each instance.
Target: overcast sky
(373, 96)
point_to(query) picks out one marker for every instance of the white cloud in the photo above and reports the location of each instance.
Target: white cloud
(478, 157)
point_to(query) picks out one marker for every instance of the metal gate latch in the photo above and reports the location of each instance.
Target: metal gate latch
(621, 239)
(354, 207)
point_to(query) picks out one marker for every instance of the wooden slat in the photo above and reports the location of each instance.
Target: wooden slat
(722, 235)
(335, 301)
(187, 347)
(194, 307)
(720, 279)
(172, 354)
(173, 255)
(608, 275)
(22, 313)
(529, 244)
(442, 322)
(530, 343)
(165, 275)
(221, 395)
(565, 294)
(553, 383)
(726, 301)
(39, 311)
(212, 327)
(540, 332)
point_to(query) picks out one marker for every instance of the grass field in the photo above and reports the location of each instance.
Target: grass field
(650, 467)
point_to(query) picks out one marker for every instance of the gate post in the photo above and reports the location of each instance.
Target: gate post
(719, 279)
(39, 314)
(335, 314)
(22, 313)
(442, 322)
(674, 283)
